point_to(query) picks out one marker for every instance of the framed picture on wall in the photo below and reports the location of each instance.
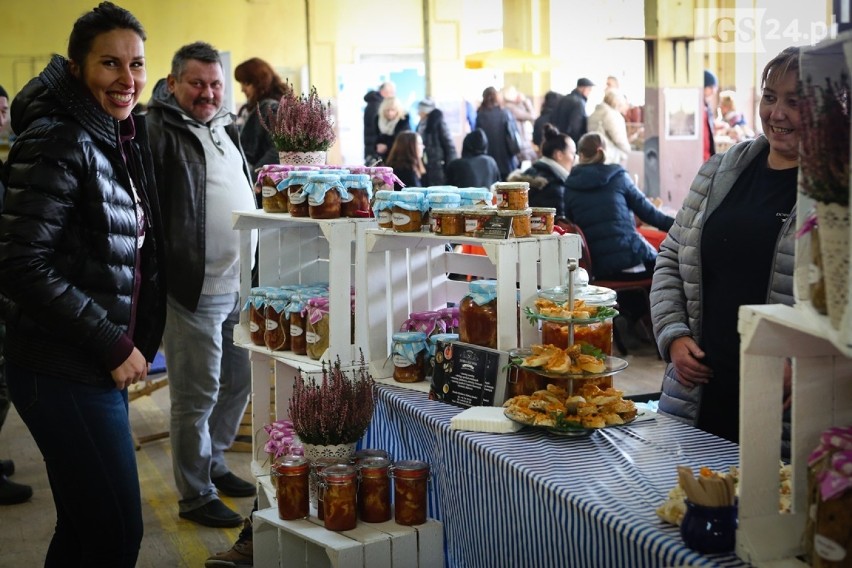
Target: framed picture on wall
(682, 114)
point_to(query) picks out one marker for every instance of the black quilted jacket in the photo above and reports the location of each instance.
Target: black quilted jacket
(68, 245)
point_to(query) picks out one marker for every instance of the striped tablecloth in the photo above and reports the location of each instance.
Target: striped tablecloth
(533, 499)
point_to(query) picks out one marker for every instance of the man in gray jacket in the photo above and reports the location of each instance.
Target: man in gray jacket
(202, 177)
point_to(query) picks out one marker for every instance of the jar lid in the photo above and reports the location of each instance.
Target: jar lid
(292, 465)
(385, 194)
(373, 463)
(475, 193)
(379, 169)
(540, 210)
(445, 337)
(511, 185)
(482, 291)
(443, 198)
(410, 469)
(358, 178)
(447, 211)
(324, 177)
(480, 211)
(370, 453)
(321, 463)
(408, 336)
(301, 174)
(339, 472)
(454, 310)
(442, 189)
(408, 196)
(591, 295)
(514, 212)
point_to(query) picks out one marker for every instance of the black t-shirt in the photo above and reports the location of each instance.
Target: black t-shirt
(737, 251)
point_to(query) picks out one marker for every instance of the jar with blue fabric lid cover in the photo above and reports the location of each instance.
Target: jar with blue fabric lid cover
(409, 351)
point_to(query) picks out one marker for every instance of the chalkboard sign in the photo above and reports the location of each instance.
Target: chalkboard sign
(468, 375)
(496, 227)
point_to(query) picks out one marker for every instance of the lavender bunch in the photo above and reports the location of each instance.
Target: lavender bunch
(337, 410)
(301, 123)
(824, 146)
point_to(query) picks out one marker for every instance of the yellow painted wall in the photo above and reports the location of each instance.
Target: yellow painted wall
(271, 29)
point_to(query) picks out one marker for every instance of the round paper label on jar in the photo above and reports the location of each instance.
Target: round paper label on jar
(401, 361)
(470, 225)
(400, 219)
(312, 337)
(253, 327)
(384, 217)
(297, 198)
(269, 191)
(828, 549)
(537, 223)
(271, 325)
(295, 330)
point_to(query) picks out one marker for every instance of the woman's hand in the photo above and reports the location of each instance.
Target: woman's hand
(686, 355)
(381, 148)
(133, 370)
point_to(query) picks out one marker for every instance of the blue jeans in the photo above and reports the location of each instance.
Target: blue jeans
(209, 385)
(83, 433)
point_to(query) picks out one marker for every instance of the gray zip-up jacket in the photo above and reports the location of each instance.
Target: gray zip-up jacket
(676, 294)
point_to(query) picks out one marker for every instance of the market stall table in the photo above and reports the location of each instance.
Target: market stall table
(532, 498)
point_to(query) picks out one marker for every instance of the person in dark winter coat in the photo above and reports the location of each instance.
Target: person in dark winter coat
(406, 159)
(547, 175)
(551, 101)
(498, 124)
(81, 250)
(475, 168)
(602, 200)
(438, 147)
(263, 89)
(391, 120)
(371, 112)
(570, 114)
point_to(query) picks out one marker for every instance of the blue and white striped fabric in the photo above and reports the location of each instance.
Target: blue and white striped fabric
(533, 499)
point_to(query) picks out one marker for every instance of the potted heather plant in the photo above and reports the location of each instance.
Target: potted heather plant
(331, 414)
(302, 127)
(824, 177)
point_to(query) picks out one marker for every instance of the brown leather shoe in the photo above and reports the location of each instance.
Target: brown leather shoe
(240, 555)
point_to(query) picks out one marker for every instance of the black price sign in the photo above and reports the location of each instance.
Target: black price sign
(468, 375)
(496, 227)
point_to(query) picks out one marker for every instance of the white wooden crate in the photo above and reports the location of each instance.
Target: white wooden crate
(408, 272)
(303, 543)
(822, 397)
(300, 250)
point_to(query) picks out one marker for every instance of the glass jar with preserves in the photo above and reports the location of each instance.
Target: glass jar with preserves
(382, 177)
(450, 315)
(433, 349)
(296, 311)
(339, 489)
(291, 487)
(476, 197)
(317, 330)
(317, 467)
(429, 322)
(478, 314)
(325, 194)
(256, 304)
(277, 321)
(360, 189)
(512, 195)
(520, 221)
(407, 213)
(541, 220)
(475, 220)
(272, 199)
(383, 208)
(409, 352)
(297, 199)
(374, 490)
(596, 330)
(410, 479)
(448, 222)
(365, 453)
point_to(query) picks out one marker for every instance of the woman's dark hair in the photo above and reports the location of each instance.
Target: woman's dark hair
(490, 98)
(787, 60)
(551, 100)
(553, 140)
(199, 50)
(102, 19)
(262, 77)
(403, 153)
